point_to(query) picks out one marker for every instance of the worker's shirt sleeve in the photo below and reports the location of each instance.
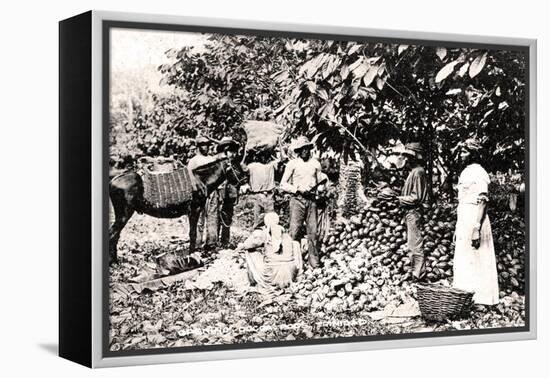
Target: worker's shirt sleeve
(319, 175)
(286, 181)
(483, 186)
(416, 189)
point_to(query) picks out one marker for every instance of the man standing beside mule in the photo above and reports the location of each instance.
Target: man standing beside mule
(227, 195)
(413, 195)
(301, 178)
(201, 158)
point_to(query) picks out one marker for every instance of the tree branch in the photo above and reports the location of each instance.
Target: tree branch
(395, 90)
(365, 149)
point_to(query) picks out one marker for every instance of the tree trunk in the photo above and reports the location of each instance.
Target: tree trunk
(350, 188)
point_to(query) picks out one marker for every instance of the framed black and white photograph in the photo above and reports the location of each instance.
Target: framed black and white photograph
(262, 189)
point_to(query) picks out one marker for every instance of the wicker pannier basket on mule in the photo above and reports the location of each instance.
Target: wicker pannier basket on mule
(440, 303)
(163, 190)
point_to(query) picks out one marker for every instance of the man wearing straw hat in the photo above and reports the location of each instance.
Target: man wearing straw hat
(261, 180)
(413, 195)
(227, 194)
(201, 158)
(301, 178)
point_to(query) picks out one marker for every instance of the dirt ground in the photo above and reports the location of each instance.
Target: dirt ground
(214, 304)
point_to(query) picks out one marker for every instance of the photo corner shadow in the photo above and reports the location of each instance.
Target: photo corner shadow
(51, 348)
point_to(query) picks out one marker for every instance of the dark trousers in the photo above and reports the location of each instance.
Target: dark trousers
(305, 210)
(415, 242)
(218, 219)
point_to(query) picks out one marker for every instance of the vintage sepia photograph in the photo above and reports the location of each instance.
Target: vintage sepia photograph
(270, 189)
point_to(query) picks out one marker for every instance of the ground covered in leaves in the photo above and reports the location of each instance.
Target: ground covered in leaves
(215, 307)
(215, 304)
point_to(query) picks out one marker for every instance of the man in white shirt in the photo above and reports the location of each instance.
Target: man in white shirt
(201, 158)
(301, 178)
(262, 182)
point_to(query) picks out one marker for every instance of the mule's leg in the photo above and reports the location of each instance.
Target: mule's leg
(123, 212)
(194, 214)
(114, 236)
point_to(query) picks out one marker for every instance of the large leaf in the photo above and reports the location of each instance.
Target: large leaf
(280, 76)
(307, 67)
(401, 48)
(381, 69)
(310, 68)
(453, 91)
(441, 52)
(477, 65)
(330, 66)
(370, 75)
(355, 64)
(446, 71)
(380, 82)
(322, 94)
(503, 105)
(361, 69)
(354, 49)
(374, 59)
(463, 69)
(344, 72)
(327, 111)
(354, 88)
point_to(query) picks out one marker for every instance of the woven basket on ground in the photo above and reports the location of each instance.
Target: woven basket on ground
(440, 303)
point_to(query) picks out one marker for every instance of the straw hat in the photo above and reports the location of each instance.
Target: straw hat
(202, 141)
(412, 149)
(226, 142)
(415, 149)
(301, 142)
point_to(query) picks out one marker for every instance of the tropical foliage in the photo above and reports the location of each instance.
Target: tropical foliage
(355, 99)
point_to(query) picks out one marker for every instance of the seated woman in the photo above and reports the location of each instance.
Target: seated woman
(280, 262)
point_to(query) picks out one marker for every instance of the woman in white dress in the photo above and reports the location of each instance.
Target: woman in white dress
(474, 267)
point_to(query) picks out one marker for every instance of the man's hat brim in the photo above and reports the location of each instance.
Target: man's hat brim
(202, 141)
(303, 146)
(412, 153)
(227, 143)
(405, 151)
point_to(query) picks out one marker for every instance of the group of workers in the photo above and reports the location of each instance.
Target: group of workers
(215, 221)
(303, 179)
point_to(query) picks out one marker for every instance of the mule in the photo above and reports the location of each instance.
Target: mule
(126, 194)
